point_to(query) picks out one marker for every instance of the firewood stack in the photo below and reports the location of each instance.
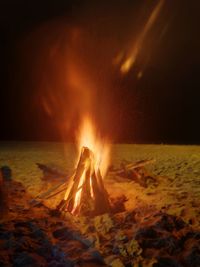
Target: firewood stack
(86, 194)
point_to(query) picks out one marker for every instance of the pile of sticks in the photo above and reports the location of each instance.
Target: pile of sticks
(86, 193)
(94, 197)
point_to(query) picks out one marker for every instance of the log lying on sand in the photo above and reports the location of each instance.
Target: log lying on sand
(132, 166)
(86, 193)
(51, 190)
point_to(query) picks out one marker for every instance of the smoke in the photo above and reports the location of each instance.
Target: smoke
(70, 74)
(68, 64)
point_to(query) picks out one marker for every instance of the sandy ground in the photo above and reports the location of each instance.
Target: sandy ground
(177, 169)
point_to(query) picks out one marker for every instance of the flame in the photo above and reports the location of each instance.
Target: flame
(130, 60)
(91, 188)
(88, 137)
(98, 161)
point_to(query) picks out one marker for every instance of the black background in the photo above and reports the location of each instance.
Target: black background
(168, 95)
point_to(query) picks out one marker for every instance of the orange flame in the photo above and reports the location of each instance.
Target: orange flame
(130, 60)
(88, 137)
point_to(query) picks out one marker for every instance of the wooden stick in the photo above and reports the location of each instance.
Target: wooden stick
(56, 193)
(44, 194)
(132, 166)
(51, 170)
(72, 190)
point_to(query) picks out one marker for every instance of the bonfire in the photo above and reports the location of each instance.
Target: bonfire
(86, 193)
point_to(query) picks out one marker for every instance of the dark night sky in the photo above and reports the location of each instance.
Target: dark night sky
(162, 106)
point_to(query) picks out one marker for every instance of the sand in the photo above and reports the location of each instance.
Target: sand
(177, 169)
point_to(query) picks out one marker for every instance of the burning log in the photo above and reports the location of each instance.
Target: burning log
(86, 193)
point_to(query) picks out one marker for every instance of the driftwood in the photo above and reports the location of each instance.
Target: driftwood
(132, 166)
(52, 189)
(51, 171)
